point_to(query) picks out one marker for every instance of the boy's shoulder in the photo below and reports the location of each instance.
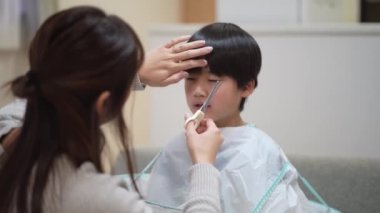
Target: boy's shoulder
(250, 144)
(264, 139)
(267, 143)
(249, 135)
(251, 147)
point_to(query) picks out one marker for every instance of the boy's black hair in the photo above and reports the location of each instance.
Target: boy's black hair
(235, 53)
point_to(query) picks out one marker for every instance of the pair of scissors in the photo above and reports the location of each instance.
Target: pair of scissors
(200, 113)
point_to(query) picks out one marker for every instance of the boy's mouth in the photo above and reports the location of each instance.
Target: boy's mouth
(199, 105)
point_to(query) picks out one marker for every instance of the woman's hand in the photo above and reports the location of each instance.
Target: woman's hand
(203, 145)
(166, 64)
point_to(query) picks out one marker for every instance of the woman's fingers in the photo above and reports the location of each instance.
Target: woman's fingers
(189, 64)
(166, 65)
(190, 128)
(188, 46)
(192, 53)
(177, 40)
(202, 127)
(203, 147)
(175, 77)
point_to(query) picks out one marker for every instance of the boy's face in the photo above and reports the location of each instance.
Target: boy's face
(224, 106)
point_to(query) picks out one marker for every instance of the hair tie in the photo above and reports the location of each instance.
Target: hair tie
(32, 77)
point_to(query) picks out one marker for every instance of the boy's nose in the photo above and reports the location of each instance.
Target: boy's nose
(200, 91)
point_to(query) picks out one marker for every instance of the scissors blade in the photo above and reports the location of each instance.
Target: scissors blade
(212, 93)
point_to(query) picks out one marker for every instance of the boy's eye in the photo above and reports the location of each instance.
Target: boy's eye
(213, 80)
(190, 78)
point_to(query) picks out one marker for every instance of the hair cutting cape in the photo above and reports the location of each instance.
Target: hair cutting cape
(249, 162)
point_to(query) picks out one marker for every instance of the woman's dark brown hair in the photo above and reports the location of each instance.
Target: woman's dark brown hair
(76, 55)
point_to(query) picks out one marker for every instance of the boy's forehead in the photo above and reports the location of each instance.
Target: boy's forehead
(206, 69)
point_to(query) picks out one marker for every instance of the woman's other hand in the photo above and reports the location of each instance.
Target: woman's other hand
(165, 65)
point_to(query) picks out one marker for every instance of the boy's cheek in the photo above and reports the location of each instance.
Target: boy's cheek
(218, 97)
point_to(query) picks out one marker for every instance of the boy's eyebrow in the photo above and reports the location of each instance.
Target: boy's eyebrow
(198, 73)
(194, 73)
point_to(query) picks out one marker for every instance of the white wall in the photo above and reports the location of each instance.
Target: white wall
(10, 24)
(317, 94)
(12, 63)
(140, 14)
(287, 11)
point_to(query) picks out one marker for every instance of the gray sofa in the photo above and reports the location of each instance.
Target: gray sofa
(350, 185)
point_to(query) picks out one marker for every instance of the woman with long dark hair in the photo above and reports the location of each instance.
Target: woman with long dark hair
(83, 65)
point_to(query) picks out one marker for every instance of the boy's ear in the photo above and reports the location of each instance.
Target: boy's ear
(248, 89)
(101, 104)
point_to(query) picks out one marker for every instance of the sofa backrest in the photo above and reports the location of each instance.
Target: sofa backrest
(350, 185)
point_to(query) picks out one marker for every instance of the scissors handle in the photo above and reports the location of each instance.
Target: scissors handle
(196, 117)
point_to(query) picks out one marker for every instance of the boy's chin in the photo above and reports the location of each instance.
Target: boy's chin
(208, 116)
